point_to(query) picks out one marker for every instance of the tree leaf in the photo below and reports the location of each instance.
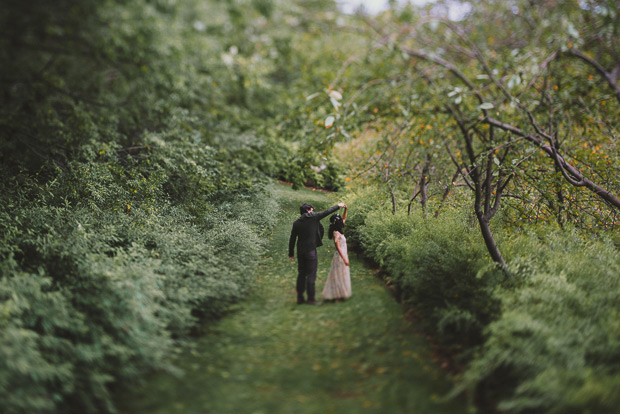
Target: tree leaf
(335, 103)
(335, 95)
(329, 121)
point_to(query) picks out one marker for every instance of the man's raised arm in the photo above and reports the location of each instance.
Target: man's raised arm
(329, 211)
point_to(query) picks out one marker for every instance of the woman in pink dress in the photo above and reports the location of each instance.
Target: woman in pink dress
(338, 285)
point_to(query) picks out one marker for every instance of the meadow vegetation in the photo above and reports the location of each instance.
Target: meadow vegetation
(543, 340)
(139, 141)
(485, 185)
(134, 176)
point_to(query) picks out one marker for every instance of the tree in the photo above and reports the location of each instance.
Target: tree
(532, 83)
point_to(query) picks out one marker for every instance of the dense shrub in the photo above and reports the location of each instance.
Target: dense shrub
(435, 264)
(362, 202)
(134, 149)
(545, 340)
(100, 272)
(556, 347)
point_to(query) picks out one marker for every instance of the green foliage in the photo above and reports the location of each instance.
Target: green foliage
(92, 298)
(132, 196)
(136, 141)
(543, 82)
(545, 340)
(35, 370)
(358, 355)
(555, 348)
(363, 202)
(435, 265)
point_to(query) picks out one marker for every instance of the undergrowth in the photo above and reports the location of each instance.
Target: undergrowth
(544, 340)
(98, 278)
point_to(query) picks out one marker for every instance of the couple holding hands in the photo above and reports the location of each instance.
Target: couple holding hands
(307, 231)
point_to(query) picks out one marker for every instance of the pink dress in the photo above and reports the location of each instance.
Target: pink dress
(338, 285)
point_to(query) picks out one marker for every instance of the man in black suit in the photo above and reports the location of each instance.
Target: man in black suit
(307, 230)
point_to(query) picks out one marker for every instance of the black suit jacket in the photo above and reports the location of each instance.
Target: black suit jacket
(306, 230)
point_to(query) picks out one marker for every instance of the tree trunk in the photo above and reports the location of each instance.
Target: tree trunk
(424, 184)
(393, 196)
(485, 208)
(489, 241)
(446, 192)
(413, 197)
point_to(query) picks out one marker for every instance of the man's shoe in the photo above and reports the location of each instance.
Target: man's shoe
(312, 302)
(300, 301)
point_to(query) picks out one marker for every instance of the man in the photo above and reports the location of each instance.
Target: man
(307, 230)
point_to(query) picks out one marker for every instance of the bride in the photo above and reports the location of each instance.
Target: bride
(338, 285)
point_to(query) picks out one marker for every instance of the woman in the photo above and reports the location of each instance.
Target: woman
(338, 285)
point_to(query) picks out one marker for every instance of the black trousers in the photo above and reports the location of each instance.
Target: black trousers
(307, 264)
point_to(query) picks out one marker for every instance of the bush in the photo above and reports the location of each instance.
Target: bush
(544, 341)
(556, 347)
(363, 202)
(435, 265)
(92, 293)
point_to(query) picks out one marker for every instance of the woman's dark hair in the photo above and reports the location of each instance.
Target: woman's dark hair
(335, 224)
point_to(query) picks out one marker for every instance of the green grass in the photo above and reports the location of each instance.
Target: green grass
(273, 356)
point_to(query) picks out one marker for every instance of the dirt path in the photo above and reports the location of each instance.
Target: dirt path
(273, 356)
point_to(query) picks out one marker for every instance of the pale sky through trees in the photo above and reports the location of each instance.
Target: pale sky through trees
(455, 12)
(371, 6)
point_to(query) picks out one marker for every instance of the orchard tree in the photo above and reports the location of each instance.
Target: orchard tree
(545, 87)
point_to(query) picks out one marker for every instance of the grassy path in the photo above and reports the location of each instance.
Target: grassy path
(273, 356)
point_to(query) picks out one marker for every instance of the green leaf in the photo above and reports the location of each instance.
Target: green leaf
(335, 103)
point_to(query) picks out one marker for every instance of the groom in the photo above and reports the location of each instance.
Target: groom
(308, 230)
